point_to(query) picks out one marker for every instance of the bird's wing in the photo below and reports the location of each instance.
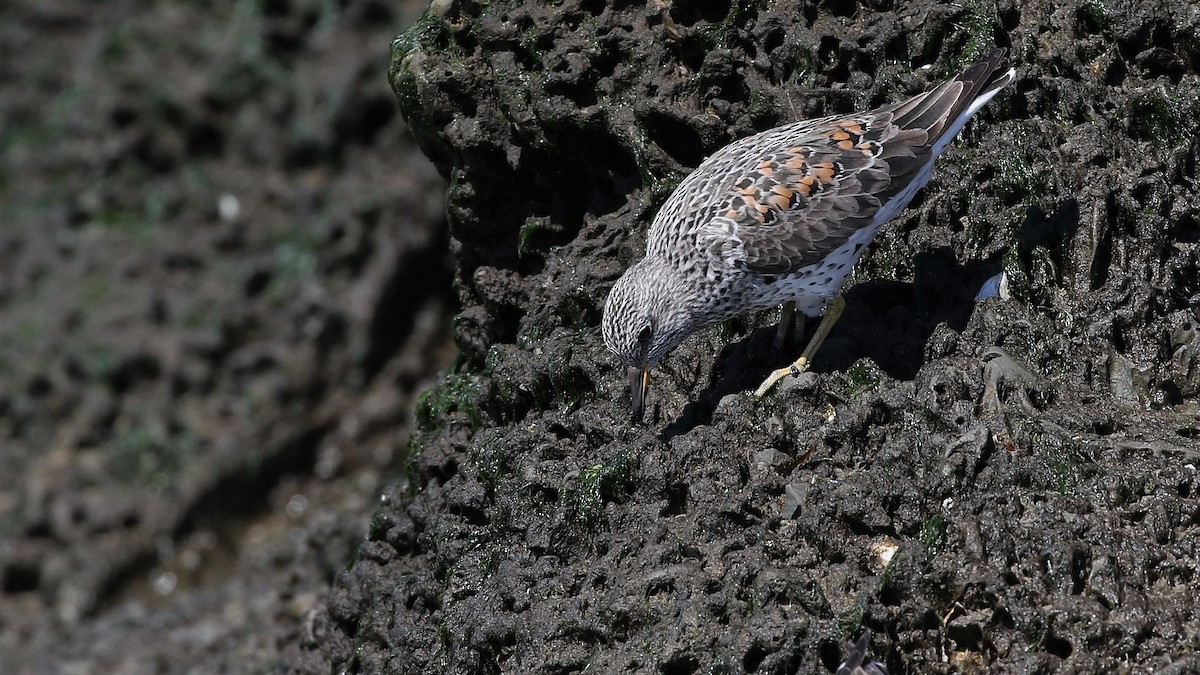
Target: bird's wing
(809, 186)
(806, 198)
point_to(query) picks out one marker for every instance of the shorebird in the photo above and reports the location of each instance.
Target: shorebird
(782, 217)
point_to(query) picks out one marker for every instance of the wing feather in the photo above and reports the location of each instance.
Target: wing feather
(816, 183)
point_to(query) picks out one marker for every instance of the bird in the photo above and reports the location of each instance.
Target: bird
(781, 217)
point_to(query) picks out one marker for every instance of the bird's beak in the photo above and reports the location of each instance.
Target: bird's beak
(639, 384)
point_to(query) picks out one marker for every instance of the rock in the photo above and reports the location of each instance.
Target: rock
(1003, 410)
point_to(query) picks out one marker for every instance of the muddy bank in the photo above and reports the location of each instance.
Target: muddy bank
(1031, 461)
(223, 277)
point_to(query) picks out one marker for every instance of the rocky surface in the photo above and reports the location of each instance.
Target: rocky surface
(1006, 485)
(223, 276)
(222, 283)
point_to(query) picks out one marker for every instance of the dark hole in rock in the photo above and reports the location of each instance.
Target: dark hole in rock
(831, 655)
(205, 140)
(682, 664)
(754, 657)
(256, 283)
(675, 137)
(689, 13)
(361, 123)
(122, 116)
(1081, 565)
(1058, 646)
(677, 500)
(21, 577)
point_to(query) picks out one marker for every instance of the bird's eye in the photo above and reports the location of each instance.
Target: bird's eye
(644, 336)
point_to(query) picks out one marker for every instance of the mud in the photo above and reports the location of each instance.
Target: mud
(1029, 463)
(212, 221)
(225, 275)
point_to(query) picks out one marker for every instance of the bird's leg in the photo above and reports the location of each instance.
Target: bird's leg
(790, 325)
(832, 311)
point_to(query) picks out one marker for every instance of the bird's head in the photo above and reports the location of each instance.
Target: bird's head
(646, 315)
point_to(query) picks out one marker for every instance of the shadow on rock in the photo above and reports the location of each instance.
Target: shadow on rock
(892, 323)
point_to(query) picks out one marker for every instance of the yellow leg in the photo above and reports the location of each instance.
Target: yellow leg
(832, 311)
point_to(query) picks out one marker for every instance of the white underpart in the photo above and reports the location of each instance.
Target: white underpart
(812, 287)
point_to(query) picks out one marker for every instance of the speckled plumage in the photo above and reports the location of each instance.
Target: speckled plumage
(784, 215)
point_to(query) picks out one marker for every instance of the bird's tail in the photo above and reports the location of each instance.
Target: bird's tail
(943, 111)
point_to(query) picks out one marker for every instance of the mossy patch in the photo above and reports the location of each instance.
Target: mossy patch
(535, 233)
(610, 481)
(933, 534)
(978, 27)
(1095, 16)
(864, 375)
(454, 394)
(140, 455)
(1160, 117)
(1017, 180)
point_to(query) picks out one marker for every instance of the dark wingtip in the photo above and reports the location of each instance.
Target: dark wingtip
(996, 76)
(995, 55)
(934, 109)
(857, 663)
(856, 655)
(985, 68)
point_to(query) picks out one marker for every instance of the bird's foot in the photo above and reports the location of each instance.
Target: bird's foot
(794, 370)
